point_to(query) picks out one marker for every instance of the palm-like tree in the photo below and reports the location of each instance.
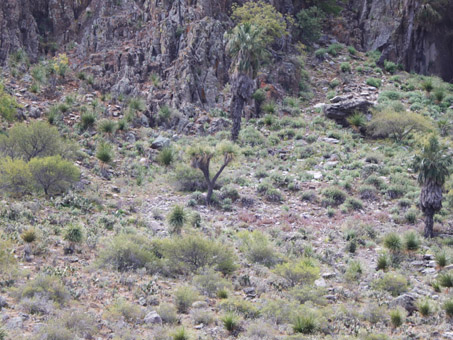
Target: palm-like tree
(247, 48)
(433, 165)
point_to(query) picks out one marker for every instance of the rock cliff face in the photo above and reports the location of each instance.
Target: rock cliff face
(122, 42)
(398, 29)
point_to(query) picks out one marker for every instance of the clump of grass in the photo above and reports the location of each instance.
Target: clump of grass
(166, 156)
(441, 259)
(177, 218)
(445, 280)
(305, 324)
(411, 241)
(392, 242)
(230, 322)
(374, 82)
(107, 126)
(180, 334)
(382, 262)
(29, 235)
(396, 318)
(448, 307)
(424, 307)
(184, 297)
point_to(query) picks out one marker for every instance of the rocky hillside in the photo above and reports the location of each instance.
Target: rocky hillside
(127, 213)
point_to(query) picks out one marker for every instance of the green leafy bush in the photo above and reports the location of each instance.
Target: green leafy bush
(53, 174)
(374, 82)
(184, 297)
(49, 287)
(333, 196)
(258, 248)
(303, 271)
(309, 22)
(177, 218)
(125, 309)
(38, 139)
(128, 252)
(8, 105)
(397, 125)
(392, 282)
(193, 252)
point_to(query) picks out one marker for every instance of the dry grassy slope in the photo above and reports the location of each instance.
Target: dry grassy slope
(294, 226)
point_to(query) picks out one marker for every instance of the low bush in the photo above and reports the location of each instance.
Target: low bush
(210, 283)
(392, 282)
(397, 125)
(184, 297)
(258, 248)
(304, 271)
(49, 287)
(374, 82)
(333, 196)
(125, 309)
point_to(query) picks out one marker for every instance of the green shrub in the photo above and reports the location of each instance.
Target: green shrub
(391, 95)
(354, 271)
(48, 287)
(396, 318)
(230, 322)
(53, 174)
(211, 283)
(15, 177)
(390, 67)
(367, 192)
(8, 264)
(427, 85)
(411, 241)
(320, 53)
(127, 310)
(193, 252)
(180, 334)
(37, 139)
(305, 324)
(392, 282)
(441, 259)
(374, 82)
(309, 22)
(353, 203)
(448, 307)
(165, 113)
(240, 306)
(357, 120)
(177, 218)
(411, 216)
(168, 313)
(269, 107)
(345, 67)
(189, 179)
(74, 234)
(303, 271)
(128, 252)
(258, 248)
(104, 153)
(264, 16)
(352, 50)
(333, 196)
(29, 235)
(166, 156)
(445, 280)
(392, 242)
(137, 104)
(107, 126)
(8, 105)
(424, 307)
(184, 297)
(335, 49)
(396, 125)
(87, 120)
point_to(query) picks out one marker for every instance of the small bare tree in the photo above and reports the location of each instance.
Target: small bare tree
(201, 156)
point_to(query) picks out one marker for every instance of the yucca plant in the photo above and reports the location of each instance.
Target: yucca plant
(177, 218)
(230, 322)
(433, 165)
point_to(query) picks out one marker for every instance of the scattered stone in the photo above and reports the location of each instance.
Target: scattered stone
(320, 283)
(407, 301)
(328, 275)
(250, 292)
(153, 318)
(428, 257)
(315, 174)
(3, 303)
(160, 142)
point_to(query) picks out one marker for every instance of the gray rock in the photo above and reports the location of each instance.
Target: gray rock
(15, 323)
(320, 283)
(160, 142)
(407, 301)
(3, 303)
(342, 110)
(153, 318)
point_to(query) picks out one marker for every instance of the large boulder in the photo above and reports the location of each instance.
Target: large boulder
(341, 110)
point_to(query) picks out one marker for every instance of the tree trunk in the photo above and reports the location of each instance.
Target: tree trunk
(429, 224)
(430, 203)
(237, 105)
(209, 194)
(242, 88)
